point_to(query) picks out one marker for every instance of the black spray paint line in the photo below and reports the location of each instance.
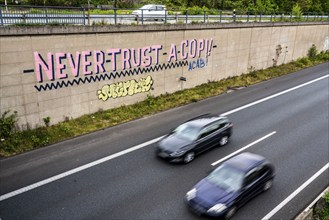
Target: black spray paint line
(109, 76)
(28, 71)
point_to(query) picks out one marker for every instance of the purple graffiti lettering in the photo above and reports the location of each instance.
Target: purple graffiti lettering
(136, 61)
(114, 52)
(147, 60)
(85, 62)
(201, 47)
(74, 65)
(172, 53)
(99, 59)
(193, 47)
(184, 54)
(60, 66)
(126, 59)
(209, 46)
(157, 48)
(41, 64)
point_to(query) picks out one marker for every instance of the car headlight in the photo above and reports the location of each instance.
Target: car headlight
(177, 153)
(191, 194)
(217, 208)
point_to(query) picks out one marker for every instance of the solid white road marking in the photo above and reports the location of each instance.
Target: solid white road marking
(242, 149)
(273, 96)
(295, 193)
(102, 160)
(78, 169)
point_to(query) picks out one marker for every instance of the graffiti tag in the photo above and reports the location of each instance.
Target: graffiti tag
(196, 64)
(122, 89)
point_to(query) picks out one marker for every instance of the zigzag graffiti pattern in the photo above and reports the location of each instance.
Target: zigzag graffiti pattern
(109, 76)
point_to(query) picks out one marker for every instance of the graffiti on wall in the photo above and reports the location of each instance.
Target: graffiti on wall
(326, 44)
(122, 89)
(65, 69)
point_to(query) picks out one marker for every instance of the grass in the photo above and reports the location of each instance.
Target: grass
(321, 211)
(22, 141)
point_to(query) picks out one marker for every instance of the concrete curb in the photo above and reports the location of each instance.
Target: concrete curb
(308, 211)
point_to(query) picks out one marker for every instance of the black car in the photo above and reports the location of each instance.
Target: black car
(194, 137)
(231, 185)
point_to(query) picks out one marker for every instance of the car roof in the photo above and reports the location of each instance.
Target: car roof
(204, 120)
(245, 161)
(148, 5)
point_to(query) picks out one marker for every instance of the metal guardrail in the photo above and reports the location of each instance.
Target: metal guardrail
(39, 15)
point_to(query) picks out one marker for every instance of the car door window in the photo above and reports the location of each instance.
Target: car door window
(160, 8)
(209, 130)
(254, 175)
(222, 125)
(152, 8)
(250, 178)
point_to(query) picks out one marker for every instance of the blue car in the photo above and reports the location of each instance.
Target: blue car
(231, 185)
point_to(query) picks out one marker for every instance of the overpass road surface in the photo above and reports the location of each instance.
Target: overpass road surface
(114, 174)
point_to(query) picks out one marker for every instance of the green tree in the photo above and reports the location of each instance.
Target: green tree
(305, 5)
(297, 12)
(266, 6)
(316, 6)
(324, 5)
(285, 5)
(238, 5)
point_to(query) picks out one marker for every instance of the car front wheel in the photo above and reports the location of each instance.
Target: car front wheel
(230, 213)
(189, 157)
(267, 185)
(223, 140)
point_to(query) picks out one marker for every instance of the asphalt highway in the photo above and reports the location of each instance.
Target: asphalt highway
(137, 185)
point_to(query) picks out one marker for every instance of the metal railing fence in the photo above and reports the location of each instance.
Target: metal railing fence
(40, 15)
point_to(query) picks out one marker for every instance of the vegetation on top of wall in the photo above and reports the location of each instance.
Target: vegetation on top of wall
(13, 141)
(239, 5)
(297, 12)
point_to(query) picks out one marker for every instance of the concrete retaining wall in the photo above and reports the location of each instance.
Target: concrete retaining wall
(67, 72)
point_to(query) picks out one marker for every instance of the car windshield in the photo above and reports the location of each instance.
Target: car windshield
(227, 178)
(187, 132)
(146, 7)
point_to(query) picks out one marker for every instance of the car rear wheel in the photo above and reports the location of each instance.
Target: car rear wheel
(230, 213)
(267, 185)
(223, 140)
(189, 157)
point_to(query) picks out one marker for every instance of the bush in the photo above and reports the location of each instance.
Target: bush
(303, 62)
(323, 56)
(7, 124)
(46, 121)
(196, 10)
(297, 12)
(312, 52)
(321, 210)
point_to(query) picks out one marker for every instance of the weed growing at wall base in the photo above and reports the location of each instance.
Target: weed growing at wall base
(15, 141)
(321, 210)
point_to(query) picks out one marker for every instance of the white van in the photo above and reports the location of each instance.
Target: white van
(151, 12)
